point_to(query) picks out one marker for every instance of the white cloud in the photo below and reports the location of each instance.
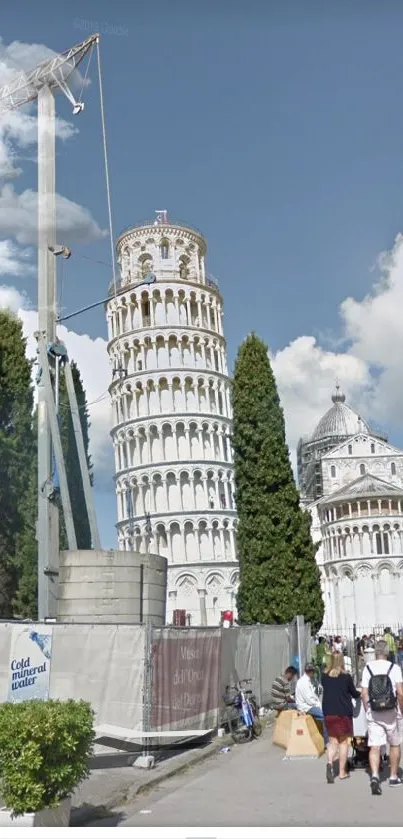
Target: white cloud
(369, 369)
(18, 218)
(13, 260)
(306, 375)
(374, 328)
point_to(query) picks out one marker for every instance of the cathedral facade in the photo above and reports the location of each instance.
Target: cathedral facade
(351, 480)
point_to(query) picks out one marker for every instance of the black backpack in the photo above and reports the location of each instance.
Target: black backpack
(380, 691)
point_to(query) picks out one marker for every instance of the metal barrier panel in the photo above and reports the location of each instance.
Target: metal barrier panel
(239, 657)
(103, 664)
(185, 679)
(100, 663)
(259, 653)
(273, 656)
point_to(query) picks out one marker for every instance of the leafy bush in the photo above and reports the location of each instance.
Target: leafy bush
(44, 752)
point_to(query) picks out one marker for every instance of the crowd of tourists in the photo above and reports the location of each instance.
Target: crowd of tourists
(326, 691)
(363, 647)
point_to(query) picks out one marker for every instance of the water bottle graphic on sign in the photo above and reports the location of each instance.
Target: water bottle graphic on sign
(43, 642)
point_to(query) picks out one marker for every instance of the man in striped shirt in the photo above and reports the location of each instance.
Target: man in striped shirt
(281, 693)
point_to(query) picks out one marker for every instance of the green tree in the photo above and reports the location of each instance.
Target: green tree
(71, 460)
(16, 447)
(25, 602)
(279, 577)
(26, 597)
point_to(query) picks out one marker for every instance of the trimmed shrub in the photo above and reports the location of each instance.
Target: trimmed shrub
(44, 752)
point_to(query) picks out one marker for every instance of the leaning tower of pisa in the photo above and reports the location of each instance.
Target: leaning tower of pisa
(172, 417)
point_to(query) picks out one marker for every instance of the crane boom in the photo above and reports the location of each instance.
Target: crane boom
(51, 73)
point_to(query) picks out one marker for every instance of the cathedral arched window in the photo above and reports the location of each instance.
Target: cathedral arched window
(332, 471)
(393, 468)
(350, 449)
(164, 249)
(362, 468)
(386, 543)
(378, 541)
(372, 448)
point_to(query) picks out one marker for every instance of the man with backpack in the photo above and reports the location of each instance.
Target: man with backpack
(382, 695)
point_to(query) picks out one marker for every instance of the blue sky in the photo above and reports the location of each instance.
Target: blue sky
(274, 127)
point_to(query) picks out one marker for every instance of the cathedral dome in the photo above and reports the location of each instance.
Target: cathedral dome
(340, 420)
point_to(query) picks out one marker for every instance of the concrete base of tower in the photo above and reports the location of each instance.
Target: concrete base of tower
(202, 593)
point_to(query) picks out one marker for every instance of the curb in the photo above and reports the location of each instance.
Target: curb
(86, 813)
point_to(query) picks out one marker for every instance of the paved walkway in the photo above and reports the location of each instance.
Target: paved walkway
(252, 786)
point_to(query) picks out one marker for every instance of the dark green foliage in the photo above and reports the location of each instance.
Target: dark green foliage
(279, 577)
(26, 562)
(44, 752)
(26, 598)
(16, 442)
(79, 509)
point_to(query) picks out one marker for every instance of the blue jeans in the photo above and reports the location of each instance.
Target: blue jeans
(317, 714)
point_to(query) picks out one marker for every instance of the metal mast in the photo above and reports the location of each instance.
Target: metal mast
(42, 83)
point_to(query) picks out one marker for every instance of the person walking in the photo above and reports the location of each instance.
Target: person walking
(382, 695)
(390, 641)
(308, 701)
(337, 706)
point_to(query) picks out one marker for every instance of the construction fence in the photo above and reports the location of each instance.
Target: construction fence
(142, 677)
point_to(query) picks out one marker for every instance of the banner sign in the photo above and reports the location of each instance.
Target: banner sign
(185, 679)
(30, 659)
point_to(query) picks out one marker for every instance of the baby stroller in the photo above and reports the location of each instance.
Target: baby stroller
(359, 740)
(360, 756)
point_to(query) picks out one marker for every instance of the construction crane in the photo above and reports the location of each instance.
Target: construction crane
(41, 84)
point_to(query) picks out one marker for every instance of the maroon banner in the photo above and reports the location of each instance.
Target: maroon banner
(185, 679)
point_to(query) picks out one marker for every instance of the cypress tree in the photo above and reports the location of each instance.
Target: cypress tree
(26, 597)
(16, 448)
(71, 460)
(279, 577)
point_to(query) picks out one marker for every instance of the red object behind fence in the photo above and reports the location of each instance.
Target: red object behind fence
(179, 617)
(227, 618)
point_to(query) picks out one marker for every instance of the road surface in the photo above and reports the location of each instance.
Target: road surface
(252, 786)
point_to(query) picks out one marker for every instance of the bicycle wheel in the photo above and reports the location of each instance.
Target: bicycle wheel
(239, 732)
(257, 727)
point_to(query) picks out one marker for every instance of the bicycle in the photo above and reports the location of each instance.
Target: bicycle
(242, 712)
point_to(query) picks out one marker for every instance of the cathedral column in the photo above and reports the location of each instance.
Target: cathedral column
(222, 541)
(210, 539)
(221, 445)
(232, 542)
(203, 353)
(188, 316)
(205, 488)
(187, 438)
(375, 589)
(226, 493)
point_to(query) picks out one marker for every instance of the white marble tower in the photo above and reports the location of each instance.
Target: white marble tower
(172, 416)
